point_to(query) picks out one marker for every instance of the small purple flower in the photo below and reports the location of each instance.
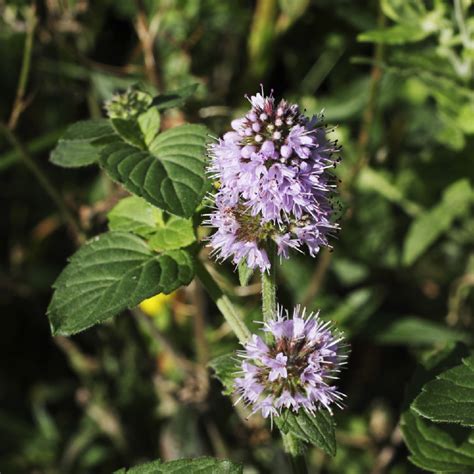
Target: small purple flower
(277, 366)
(273, 175)
(294, 369)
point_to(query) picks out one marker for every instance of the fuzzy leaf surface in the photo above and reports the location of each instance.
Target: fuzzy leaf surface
(175, 233)
(317, 429)
(204, 465)
(135, 215)
(450, 397)
(170, 174)
(110, 273)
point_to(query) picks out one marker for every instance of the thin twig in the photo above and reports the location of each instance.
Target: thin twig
(19, 104)
(147, 40)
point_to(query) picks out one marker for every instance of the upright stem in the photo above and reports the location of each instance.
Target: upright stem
(295, 453)
(228, 310)
(19, 105)
(293, 447)
(269, 304)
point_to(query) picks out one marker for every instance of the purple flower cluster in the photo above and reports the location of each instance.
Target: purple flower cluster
(295, 369)
(274, 184)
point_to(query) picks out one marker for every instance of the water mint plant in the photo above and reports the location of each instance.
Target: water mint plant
(198, 319)
(274, 188)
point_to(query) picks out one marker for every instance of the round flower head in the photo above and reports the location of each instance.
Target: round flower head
(294, 369)
(274, 180)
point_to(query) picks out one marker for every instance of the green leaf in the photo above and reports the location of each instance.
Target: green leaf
(225, 368)
(135, 215)
(149, 124)
(413, 331)
(245, 273)
(376, 181)
(78, 146)
(140, 131)
(398, 34)
(450, 397)
(175, 233)
(436, 447)
(403, 11)
(129, 130)
(170, 175)
(318, 430)
(110, 273)
(430, 225)
(202, 465)
(174, 98)
(446, 448)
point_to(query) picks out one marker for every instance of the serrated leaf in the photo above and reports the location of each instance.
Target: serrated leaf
(135, 215)
(175, 233)
(78, 146)
(413, 331)
(245, 273)
(430, 225)
(170, 175)
(450, 397)
(110, 273)
(438, 447)
(174, 98)
(204, 465)
(317, 429)
(225, 368)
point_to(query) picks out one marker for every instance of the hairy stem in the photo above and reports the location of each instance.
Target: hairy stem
(292, 445)
(295, 451)
(228, 310)
(269, 305)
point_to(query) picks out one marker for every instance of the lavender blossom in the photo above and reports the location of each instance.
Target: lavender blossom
(295, 369)
(274, 183)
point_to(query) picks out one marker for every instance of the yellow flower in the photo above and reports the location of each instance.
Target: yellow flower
(154, 305)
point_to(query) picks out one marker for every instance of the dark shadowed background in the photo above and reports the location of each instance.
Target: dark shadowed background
(397, 80)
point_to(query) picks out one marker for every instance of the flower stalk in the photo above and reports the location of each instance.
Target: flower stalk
(269, 301)
(292, 445)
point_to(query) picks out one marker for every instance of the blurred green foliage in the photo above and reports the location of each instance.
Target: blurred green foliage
(395, 76)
